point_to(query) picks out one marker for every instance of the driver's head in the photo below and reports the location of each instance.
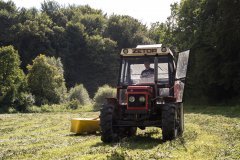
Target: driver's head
(147, 64)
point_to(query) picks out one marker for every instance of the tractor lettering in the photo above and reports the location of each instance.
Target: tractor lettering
(137, 51)
(144, 50)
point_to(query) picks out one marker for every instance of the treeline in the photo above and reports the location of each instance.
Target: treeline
(43, 85)
(56, 48)
(88, 42)
(211, 29)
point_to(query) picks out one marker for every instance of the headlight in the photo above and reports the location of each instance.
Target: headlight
(142, 99)
(131, 99)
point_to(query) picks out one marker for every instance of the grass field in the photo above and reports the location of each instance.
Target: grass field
(210, 133)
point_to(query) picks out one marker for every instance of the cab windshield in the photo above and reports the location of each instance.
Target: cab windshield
(140, 70)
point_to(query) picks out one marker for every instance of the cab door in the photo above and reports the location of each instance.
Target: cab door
(180, 76)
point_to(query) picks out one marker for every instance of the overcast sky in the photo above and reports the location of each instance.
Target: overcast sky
(147, 11)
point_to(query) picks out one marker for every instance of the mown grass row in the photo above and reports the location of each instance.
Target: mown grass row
(210, 133)
(57, 108)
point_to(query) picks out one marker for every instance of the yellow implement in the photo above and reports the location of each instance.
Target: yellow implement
(85, 125)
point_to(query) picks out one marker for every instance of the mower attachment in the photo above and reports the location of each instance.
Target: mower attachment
(84, 125)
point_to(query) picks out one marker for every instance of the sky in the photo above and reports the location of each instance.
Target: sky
(147, 11)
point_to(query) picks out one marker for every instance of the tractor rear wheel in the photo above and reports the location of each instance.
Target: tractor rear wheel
(170, 126)
(106, 124)
(181, 120)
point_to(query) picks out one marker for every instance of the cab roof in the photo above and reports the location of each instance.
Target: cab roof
(149, 46)
(146, 50)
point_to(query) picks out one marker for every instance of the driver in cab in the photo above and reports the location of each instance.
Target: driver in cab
(148, 72)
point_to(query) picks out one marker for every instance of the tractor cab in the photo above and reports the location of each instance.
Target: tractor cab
(149, 93)
(132, 70)
(151, 67)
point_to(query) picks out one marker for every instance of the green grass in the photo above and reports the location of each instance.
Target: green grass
(65, 107)
(210, 133)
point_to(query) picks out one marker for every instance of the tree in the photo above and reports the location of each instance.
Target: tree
(8, 13)
(50, 7)
(94, 23)
(33, 37)
(211, 30)
(227, 45)
(46, 80)
(158, 32)
(218, 36)
(12, 78)
(74, 57)
(101, 63)
(126, 31)
(55, 12)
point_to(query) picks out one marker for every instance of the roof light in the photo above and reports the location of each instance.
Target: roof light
(164, 49)
(125, 51)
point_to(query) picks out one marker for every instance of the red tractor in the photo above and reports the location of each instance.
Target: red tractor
(149, 93)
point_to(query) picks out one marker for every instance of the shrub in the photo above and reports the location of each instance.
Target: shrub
(46, 80)
(24, 101)
(47, 108)
(101, 95)
(73, 104)
(34, 109)
(80, 94)
(11, 110)
(53, 108)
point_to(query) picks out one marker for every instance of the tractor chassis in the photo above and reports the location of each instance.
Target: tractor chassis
(121, 123)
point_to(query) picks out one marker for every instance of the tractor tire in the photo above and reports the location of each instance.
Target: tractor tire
(169, 122)
(181, 120)
(106, 124)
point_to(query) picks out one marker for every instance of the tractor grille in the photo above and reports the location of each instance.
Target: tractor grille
(137, 103)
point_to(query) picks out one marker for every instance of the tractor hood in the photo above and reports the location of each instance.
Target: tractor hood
(139, 89)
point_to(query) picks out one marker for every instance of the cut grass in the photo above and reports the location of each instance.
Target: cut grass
(210, 133)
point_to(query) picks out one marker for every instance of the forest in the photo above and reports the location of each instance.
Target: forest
(59, 47)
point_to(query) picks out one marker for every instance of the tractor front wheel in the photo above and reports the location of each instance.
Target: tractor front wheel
(106, 124)
(170, 126)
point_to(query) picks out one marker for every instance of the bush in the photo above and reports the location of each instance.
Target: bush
(73, 104)
(12, 110)
(46, 80)
(80, 94)
(34, 109)
(53, 108)
(101, 95)
(24, 101)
